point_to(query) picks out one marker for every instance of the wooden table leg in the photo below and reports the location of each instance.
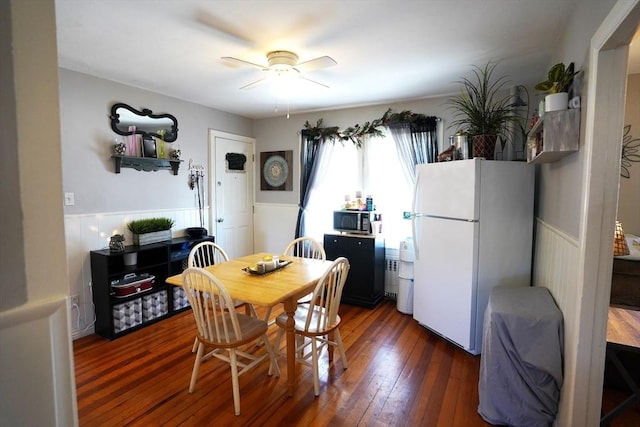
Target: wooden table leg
(290, 308)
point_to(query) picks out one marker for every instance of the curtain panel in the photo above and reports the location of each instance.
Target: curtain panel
(312, 152)
(416, 142)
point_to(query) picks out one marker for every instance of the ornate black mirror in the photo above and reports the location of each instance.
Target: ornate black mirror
(123, 117)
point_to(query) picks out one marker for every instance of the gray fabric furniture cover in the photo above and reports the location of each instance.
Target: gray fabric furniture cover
(521, 361)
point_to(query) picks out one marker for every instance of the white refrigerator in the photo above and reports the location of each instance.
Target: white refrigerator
(472, 230)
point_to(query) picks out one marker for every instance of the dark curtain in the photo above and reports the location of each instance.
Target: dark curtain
(308, 159)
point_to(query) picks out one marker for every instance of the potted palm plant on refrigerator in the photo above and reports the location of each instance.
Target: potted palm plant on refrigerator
(483, 110)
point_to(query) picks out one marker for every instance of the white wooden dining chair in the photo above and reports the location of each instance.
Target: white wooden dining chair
(222, 332)
(317, 322)
(305, 247)
(209, 253)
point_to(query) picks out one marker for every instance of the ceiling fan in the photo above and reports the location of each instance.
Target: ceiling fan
(284, 64)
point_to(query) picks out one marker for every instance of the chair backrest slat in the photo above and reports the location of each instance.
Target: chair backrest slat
(206, 253)
(305, 247)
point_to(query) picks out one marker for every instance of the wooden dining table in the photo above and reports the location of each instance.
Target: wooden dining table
(283, 286)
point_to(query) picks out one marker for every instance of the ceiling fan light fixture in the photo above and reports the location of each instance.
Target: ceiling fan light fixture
(282, 63)
(283, 66)
(281, 59)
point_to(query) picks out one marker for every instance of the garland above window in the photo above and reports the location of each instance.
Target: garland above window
(356, 133)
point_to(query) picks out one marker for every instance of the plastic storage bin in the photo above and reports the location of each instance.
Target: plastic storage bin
(127, 315)
(154, 305)
(179, 298)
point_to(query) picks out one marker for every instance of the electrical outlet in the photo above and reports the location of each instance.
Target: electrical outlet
(74, 300)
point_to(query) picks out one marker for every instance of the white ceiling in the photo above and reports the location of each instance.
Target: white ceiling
(386, 51)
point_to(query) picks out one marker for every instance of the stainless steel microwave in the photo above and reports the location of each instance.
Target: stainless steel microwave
(353, 221)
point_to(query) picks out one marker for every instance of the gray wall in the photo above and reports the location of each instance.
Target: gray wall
(559, 193)
(629, 202)
(88, 170)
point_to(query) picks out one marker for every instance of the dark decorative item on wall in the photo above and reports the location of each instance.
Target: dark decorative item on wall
(276, 170)
(126, 120)
(236, 162)
(630, 152)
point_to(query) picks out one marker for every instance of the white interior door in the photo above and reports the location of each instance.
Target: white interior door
(232, 187)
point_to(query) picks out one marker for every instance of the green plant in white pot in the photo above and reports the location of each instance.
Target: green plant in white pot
(150, 230)
(556, 86)
(483, 109)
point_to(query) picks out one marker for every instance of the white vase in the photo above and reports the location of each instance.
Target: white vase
(556, 101)
(497, 151)
(508, 152)
(130, 258)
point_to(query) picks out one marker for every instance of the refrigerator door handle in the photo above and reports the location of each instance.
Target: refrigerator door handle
(414, 226)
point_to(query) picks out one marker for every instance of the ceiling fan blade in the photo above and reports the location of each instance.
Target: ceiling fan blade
(313, 81)
(254, 84)
(243, 62)
(315, 64)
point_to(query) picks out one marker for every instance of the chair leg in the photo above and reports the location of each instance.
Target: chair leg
(299, 345)
(278, 341)
(314, 358)
(261, 341)
(250, 310)
(343, 355)
(196, 366)
(273, 357)
(234, 380)
(195, 345)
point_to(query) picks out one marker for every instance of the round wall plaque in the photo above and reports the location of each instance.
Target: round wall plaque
(275, 171)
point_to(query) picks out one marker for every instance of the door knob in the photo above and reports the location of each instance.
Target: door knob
(220, 219)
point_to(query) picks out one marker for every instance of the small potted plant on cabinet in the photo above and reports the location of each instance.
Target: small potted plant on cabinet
(482, 110)
(150, 230)
(556, 86)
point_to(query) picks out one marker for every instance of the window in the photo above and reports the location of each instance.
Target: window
(373, 169)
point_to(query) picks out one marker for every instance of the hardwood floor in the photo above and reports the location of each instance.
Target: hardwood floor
(399, 375)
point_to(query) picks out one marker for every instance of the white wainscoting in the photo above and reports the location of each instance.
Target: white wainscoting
(35, 368)
(88, 232)
(555, 267)
(274, 226)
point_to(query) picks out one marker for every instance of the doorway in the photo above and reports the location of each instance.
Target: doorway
(603, 132)
(231, 190)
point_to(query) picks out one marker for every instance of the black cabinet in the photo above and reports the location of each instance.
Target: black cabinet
(118, 315)
(365, 282)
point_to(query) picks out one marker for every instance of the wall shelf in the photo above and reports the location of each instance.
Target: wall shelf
(146, 164)
(555, 135)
